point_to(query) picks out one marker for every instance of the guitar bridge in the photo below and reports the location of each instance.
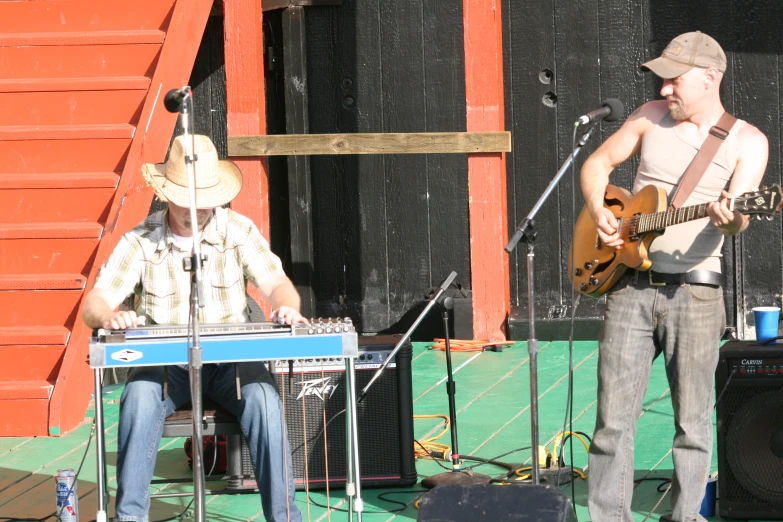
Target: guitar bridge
(633, 228)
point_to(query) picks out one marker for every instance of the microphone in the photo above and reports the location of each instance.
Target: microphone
(390, 357)
(611, 110)
(174, 98)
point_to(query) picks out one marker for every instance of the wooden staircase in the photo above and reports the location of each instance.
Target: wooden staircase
(81, 90)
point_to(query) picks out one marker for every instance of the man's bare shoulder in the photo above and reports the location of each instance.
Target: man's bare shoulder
(651, 112)
(751, 139)
(644, 118)
(750, 154)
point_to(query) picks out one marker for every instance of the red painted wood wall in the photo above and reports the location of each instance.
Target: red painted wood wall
(81, 90)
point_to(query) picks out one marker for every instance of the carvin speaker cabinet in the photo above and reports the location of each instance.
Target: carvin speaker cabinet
(750, 430)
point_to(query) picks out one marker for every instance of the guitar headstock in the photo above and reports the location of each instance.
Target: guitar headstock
(766, 201)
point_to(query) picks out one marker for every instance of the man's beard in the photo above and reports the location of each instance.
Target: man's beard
(677, 111)
(201, 221)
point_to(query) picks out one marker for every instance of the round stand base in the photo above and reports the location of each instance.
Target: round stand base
(458, 478)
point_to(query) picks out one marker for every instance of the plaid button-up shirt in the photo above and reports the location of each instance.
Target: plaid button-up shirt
(148, 262)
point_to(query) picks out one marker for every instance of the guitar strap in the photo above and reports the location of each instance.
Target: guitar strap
(701, 161)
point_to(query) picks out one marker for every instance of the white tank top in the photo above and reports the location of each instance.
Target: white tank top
(665, 155)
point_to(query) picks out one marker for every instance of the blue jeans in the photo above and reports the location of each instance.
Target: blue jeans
(143, 411)
(685, 323)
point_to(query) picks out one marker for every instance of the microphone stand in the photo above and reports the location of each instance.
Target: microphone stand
(526, 233)
(455, 477)
(405, 337)
(193, 264)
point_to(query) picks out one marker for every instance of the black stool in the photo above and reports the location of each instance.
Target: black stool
(217, 421)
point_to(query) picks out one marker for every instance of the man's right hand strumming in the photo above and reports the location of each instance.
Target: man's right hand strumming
(608, 228)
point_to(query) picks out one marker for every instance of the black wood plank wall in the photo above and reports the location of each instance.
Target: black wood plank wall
(386, 227)
(563, 57)
(208, 82)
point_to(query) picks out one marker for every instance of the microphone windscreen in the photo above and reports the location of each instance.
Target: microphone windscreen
(616, 106)
(173, 100)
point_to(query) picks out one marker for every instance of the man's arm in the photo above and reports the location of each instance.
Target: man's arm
(115, 282)
(99, 312)
(752, 155)
(619, 147)
(280, 292)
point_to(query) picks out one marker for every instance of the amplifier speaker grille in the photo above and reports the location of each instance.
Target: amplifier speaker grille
(750, 431)
(385, 420)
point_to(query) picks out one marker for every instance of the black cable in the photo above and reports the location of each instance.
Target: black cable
(561, 444)
(664, 481)
(79, 470)
(185, 511)
(504, 479)
(431, 454)
(181, 514)
(380, 497)
(318, 436)
(489, 461)
(725, 387)
(194, 447)
(197, 449)
(575, 300)
(70, 490)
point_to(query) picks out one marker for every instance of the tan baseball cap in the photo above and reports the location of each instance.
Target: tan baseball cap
(685, 52)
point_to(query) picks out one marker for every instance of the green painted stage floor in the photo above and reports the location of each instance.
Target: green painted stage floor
(493, 399)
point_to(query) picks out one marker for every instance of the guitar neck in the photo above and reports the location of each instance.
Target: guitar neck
(660, 220)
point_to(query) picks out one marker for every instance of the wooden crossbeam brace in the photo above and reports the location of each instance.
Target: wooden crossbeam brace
(370, 143)
(269, 5)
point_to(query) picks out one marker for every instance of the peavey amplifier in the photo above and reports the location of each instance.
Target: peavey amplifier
(313, 394)
(750, 430)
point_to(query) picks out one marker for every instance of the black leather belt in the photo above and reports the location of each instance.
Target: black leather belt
(694, 277)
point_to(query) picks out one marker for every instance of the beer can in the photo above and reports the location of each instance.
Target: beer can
(67, 496)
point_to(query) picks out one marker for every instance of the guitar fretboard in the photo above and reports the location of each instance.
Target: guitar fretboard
(659, 220)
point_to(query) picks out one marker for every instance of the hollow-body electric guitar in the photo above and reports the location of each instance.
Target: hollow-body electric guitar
(594, 268)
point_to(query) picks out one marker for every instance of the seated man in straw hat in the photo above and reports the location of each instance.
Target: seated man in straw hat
(147, 262)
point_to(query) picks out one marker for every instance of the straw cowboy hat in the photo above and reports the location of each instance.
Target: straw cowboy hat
(217, 181)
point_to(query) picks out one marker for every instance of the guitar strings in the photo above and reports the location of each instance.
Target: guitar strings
(657, 220)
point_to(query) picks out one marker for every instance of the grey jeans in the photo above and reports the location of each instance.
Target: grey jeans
(685, 323)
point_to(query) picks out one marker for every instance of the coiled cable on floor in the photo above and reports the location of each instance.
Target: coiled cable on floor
(469, 345)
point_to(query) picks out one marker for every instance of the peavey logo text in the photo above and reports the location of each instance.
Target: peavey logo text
(321, 388)
(754, 362)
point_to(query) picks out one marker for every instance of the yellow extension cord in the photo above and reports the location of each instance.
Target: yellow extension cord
(424, 449)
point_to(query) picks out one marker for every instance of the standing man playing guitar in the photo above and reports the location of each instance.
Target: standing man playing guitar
(677, 307)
